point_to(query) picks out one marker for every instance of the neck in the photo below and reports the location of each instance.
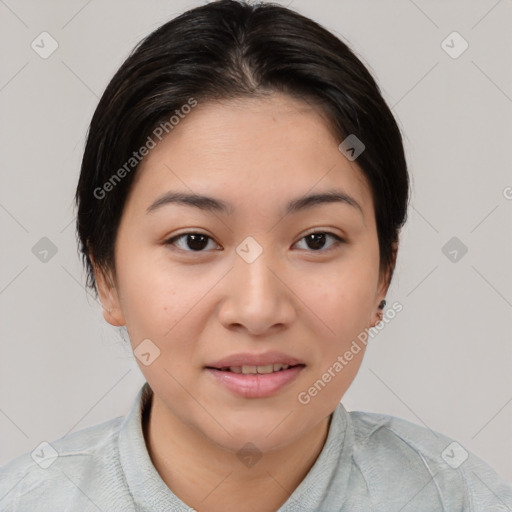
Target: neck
(207, 477)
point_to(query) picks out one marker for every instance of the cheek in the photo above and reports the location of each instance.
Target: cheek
(159, 298)
(342, 299)
(341, 296)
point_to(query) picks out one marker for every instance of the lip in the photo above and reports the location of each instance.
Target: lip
(251, 359)
(255, 385)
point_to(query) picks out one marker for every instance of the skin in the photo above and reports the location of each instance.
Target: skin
(199, 306)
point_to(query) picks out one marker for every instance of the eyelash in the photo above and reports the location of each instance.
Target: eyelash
(338, 240)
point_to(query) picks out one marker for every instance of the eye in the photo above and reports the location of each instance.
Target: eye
(196, 242)
(316, 240)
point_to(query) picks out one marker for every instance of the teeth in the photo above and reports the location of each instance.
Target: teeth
(269, 368)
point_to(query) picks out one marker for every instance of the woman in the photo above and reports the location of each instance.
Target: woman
(240, 201)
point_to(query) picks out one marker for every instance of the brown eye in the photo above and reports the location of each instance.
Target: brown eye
(316, 241)
(190, 242)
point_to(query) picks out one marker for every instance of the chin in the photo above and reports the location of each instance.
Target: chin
(268, 429)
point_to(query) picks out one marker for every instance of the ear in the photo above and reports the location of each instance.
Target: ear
(109, 297)
(383, 286)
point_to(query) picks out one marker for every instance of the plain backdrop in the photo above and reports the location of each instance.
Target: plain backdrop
(445, 361)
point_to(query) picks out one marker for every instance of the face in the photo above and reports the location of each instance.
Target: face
(245, 280)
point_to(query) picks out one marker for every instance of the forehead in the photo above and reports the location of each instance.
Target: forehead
(267, 149)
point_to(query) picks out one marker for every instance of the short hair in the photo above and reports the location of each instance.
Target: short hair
(224, 50)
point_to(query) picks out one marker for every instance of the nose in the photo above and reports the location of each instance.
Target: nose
(257, 297)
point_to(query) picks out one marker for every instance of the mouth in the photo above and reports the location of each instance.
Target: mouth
(251, 370)
(255, 375)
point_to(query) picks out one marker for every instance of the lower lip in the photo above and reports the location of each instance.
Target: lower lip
(256, 385)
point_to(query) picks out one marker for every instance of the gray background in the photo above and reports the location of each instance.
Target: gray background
(444, 361)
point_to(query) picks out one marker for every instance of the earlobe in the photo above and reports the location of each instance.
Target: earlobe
(114, 316)
(384, 282)
(112, 312)
(380, 301)
(380, 313)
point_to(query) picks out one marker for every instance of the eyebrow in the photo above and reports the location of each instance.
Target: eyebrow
(212, 204)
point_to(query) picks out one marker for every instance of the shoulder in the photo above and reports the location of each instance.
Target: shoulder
(54, 471)
(414, 456)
